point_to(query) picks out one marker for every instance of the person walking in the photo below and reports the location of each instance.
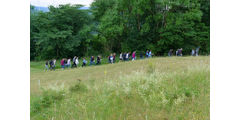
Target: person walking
(197, 50)
(98, 60)
(46, 66)
(54, 64)
(69, 62)
(62, 64)
(193, 52)
(111, 58)
(147, 54)
(141, 55)
(84, 62)
(76, 62)
(124, 56)
(51, 64)
(170, 52)
(121, 57)
(114, 57)
(127, 56)
(180, 52)
(65, 62)
(134, 56)
(150, 54)
(92, 61)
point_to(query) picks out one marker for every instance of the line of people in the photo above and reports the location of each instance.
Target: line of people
(66, 63)
(195, 52)
(179, 52)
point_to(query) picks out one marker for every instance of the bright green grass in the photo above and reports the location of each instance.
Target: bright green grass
(176, 88)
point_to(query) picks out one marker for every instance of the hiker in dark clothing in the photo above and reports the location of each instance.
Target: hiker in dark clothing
(141, 55)
(74, 62)
(180, 52)
(124, 56)
(65, 62)
(170, 53)
(98, 60)
(114, 57)
(51, 64)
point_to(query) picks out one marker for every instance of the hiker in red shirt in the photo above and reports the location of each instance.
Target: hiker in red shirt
(62, 63)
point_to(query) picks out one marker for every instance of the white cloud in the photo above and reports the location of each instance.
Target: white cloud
(46, 3)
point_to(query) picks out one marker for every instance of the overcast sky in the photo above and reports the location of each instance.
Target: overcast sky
(46, 3)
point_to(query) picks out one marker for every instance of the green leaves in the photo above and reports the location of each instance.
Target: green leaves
(60, 31)
(120, 25)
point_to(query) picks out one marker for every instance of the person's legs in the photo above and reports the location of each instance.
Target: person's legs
(47, 67)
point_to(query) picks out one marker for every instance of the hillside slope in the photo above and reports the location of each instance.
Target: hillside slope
(158, 88)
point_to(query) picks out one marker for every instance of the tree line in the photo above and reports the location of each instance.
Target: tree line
(120, 26)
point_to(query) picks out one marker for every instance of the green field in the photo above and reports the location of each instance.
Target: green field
(164, 88)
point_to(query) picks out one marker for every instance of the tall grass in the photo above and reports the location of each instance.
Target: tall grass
(179, 95)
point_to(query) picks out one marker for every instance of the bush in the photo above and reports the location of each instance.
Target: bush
(79, 87)
(151, 68)
(47, 98)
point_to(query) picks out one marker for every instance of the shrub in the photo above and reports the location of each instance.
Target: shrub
(151, 68)
(79, 87)
(45, 100)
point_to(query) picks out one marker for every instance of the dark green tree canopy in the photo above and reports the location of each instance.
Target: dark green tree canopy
(120, 26)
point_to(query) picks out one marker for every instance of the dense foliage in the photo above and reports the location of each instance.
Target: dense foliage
(120, 25)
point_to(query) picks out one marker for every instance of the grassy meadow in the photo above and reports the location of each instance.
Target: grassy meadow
(161, 88)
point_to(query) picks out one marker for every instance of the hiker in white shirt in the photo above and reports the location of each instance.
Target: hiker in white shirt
(120, 57)
(77, 62)
(127, 55)
(69, 63)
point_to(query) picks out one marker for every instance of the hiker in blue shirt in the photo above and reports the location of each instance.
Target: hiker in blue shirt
(111, 58)
(84, 62)
(150, 54)
(92, 61)
(193, 52)
(147, 54)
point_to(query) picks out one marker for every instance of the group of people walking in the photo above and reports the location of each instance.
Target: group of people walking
(178, 52)
(194, 52)
(126, 56)
(52, 64)
(67, 63)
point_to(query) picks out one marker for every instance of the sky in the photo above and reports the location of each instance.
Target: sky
(46, 3)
